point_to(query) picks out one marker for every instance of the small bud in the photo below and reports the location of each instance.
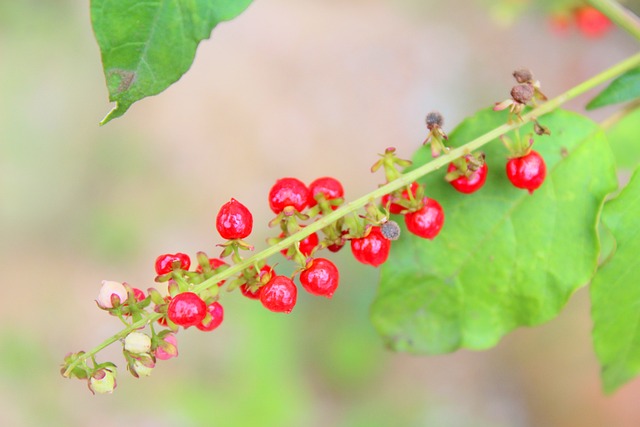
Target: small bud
(167, 348)
(390, 230)
(141, 369)
(110, 293)
(434, 119)
(522, 93)
(137, 343)
(523, 75)
(103, 381)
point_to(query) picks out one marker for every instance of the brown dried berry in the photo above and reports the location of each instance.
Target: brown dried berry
(522, 93)
(523, 75)
(434, 119)
(390, 230)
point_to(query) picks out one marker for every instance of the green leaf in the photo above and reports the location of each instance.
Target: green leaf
(622, 89)
(624, 138)
(148, 45)
(615, 292)
(504, 258)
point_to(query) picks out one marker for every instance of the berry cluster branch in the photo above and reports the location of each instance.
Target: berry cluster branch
(401, 181)
(620, 15)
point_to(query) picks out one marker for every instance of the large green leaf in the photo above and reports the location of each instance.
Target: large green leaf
(148, 45)
(622, 89)
(624, 137)
(615, 292)
(504, 258)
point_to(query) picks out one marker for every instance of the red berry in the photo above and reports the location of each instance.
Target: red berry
(468, 185)
(372, 249)
(591, 22)
(214, 263)
(395, 208)
(247, 292)
(279, 294)
(527, 172)
(186, 309)
(217, 315)
(234, 221)
(255, 294)
(288, 192)
(165, 262)
(320, 277)
(138, 294)
(307, 245)
(335, 247)
(330, 187)
(426, 222)
(559, 23)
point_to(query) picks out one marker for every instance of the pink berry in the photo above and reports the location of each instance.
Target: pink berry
(166, 352)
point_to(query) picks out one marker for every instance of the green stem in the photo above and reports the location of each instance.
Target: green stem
(619, 15)
(403, 181)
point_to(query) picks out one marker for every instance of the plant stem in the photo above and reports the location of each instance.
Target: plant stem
(619, 15)
(613, 119)
(403, 181)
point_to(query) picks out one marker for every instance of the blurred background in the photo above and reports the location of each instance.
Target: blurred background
(290, 88)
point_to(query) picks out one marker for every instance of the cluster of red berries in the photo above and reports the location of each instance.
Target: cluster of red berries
(189, 301)
(590, 21)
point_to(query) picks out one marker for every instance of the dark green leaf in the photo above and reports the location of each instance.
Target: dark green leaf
(622, 89)
(148, 45)
(504, 258)
(615, 292)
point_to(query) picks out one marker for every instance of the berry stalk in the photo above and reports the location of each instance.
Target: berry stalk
(403, 181)
(619, 15)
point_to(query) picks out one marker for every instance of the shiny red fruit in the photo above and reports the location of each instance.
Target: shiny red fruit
(473, 183)
(320, 277)
(372, 249)
(217, 315)
(288, 192)
(426, 222)
(138, 294)
(165, 262)
(279, 294)
(330, 187)
(395, 208)
(527, 172)
(247, 291)
(591, 22)
(307, 245)
(214, 263)
(234, 221)
(186, 309)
